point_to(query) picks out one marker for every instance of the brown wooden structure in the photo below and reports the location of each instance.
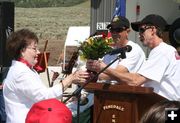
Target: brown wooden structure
(121, 103)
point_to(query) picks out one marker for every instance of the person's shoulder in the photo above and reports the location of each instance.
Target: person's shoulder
(170, 47)
(133, 44)
(18, 67)
(15, 71)
(164, 47)
(135, 47)
(164, 50)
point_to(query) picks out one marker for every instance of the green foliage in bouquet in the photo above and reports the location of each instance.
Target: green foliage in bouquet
(95, 47)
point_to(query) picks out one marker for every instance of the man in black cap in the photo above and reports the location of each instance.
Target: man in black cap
(162, 68)
(150, 22)
(119, 29)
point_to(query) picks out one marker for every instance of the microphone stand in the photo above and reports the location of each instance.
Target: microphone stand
(77, 92)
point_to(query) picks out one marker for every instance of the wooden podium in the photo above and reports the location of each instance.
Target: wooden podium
(120, 103)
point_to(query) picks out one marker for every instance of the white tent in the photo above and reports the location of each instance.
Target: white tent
(75, 34)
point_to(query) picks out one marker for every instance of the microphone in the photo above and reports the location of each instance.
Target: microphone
(126, 48)
(177, 35)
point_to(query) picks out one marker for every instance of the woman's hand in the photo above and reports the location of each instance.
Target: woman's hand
(78, 76)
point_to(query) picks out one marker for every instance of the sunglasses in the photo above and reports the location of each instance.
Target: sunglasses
(143, 29)
(117, 30)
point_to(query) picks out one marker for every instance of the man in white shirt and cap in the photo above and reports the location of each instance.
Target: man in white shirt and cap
(119, 29)
(162, 68)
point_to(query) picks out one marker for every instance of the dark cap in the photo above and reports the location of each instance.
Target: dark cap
(152, 19)
(119, 22)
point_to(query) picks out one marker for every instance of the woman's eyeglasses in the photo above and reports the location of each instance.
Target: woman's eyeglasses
(143, 29)
(33, 48)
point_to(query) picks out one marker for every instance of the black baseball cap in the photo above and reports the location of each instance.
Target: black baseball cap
(119, 22)
(152, 19)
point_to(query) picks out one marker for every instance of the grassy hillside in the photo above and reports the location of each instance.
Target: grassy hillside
(52, 24)
(46, 3)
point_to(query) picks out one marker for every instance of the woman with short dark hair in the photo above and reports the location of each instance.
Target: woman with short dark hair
(23, 86)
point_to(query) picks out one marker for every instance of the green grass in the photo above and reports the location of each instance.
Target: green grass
(47, 3)
(52, 24)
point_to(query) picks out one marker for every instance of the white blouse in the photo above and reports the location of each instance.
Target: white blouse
(22, 88)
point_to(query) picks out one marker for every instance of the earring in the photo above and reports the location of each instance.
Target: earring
(22, 55)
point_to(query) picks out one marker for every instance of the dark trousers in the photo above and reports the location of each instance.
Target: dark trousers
(2, 108)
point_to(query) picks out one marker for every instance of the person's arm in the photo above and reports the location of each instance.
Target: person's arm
(78, 76)
(108, 74)
(133, 79)
(119, 75)
(152, 69)
(31, 86)
(118, 69)
(104, 76)
(132, 63)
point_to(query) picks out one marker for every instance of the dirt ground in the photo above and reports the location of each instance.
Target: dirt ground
(55, 48)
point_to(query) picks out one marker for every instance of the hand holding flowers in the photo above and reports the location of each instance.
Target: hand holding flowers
(95, 47)
(92, 49)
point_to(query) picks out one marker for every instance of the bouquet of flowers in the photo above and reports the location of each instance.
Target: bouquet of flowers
(95, 47)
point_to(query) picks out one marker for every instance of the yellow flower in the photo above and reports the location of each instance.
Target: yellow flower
(106, 40)
(95, 47)
(90, 41)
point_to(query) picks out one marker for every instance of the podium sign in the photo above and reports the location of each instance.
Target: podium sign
(121, 103)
